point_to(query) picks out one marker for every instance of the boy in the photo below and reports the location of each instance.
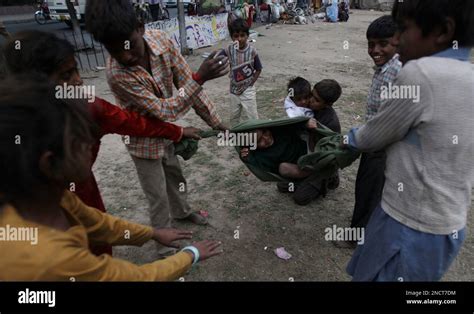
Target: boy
(245, 69)
(56, 137)
(299, 95)
(419, 227)
(370, 176)
(141, 72)
(324, 94)
(60, 67)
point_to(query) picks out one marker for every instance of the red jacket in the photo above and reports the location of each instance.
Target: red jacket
(113, 119)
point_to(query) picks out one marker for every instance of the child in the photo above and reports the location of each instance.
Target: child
(331, 11)
(45, 143)
(141, 72)
(278, 152)
(370, 176)
(297, 101)
(343, 14)
(58, 63)
(245, 69)
(325, 93)
(419, 227)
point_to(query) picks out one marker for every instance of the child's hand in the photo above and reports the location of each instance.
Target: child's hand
(221, 127)
(167, 236)
(312, 124)
(191, 133)
(244, 152)
(207, 249)
(214, 66)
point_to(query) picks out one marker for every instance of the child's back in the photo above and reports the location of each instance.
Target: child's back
(433, 200)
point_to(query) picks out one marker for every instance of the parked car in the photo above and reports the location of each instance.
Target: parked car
(58, 10)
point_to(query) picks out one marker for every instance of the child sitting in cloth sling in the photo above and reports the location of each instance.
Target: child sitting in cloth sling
(278, 151)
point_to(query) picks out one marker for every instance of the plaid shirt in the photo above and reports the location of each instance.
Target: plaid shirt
(137, 90)
(383, 76)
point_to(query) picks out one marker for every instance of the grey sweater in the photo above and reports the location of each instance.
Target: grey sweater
(429, 144)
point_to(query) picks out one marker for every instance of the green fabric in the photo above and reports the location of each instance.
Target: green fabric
(252, 124)
(328, 156)
(187, 147)
(328, 153)
(287, 147)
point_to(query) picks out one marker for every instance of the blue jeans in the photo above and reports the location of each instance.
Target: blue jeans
(395, 252)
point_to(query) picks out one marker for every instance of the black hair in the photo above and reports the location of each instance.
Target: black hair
(111, 20)
(430, 14)
(383, 27)
(239, 25)
(36, 51)
(328, 90)
(299, 87)
(32, 122)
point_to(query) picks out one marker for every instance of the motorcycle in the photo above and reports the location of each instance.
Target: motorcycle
(42, 15)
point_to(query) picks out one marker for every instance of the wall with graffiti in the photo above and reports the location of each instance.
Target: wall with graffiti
(201, 31)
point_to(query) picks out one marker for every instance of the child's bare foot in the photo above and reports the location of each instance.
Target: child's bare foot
(196, 218)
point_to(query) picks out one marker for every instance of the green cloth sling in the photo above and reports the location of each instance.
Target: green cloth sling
(187, 147)
(328, 156)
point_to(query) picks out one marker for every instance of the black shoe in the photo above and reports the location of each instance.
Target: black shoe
(309, 191)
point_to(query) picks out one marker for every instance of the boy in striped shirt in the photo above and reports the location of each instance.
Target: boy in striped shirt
(370, 176)
(245, 69)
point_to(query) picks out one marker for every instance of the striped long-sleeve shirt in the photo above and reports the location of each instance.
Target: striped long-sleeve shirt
(383, 76)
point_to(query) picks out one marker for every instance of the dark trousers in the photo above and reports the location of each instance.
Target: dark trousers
(369, 186)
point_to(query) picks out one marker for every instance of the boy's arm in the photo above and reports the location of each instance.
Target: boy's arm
(79, 264)
(396, 116)
(258, 69)
(113, 119)
(183, 81)
(103, 228)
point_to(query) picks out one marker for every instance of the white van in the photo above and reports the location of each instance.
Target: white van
(58, 10)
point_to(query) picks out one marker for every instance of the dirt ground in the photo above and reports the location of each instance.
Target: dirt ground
(239, 204)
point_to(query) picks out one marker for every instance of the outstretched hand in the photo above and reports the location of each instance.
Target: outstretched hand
(167, 236)
(214, 67)
(207, 249)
